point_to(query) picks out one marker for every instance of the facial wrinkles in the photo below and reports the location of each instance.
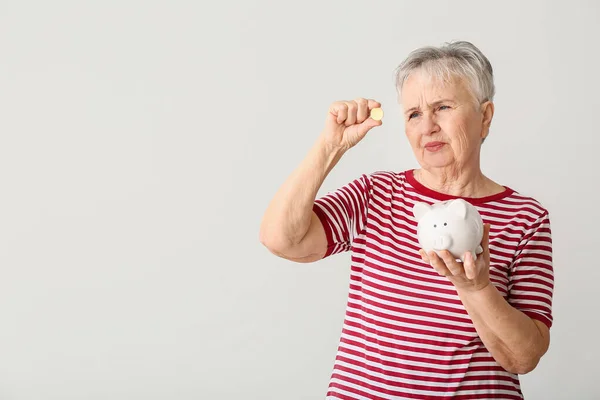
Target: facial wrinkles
(462, 143)
(427, 98)
(468, 138)
(451, 126)
(431, 123)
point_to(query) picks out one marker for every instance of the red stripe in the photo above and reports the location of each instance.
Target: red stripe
(363, 303)
(399, 386)
(423, 378)
(362, 394)
(414, 303)
(407, 340)
(389, 349)
(450, 291)
(399, 291)
(455, 336)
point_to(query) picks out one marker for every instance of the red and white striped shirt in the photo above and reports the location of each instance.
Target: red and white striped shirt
(406, 334)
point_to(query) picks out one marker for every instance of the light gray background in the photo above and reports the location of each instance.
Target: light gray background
(142, 140)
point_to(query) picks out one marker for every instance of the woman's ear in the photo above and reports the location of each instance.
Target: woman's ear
(487, 112)
(487, 109)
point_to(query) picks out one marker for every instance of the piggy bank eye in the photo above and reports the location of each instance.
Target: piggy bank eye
(434, 225)
(445, 224)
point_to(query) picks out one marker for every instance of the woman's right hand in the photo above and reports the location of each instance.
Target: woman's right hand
(348, 122)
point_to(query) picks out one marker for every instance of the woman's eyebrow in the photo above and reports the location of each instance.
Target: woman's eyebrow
(435, 103)
(410, 110)
(438, 102)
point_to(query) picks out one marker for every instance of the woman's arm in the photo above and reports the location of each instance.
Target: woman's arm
(289, 226)
(516, 341)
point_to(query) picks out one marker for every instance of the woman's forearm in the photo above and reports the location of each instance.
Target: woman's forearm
(289, 213)
(513, 339)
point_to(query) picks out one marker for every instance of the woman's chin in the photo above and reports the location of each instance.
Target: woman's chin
(436, 160)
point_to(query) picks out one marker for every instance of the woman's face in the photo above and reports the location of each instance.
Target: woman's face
(443, 122)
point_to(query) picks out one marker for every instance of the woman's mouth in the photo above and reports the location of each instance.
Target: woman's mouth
(434, 146)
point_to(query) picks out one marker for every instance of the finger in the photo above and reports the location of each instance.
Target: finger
(373, 104)
(352, 110)
(470, 266)
(438, 264)
(339, 110)
(485, 254)
(362, 112)
(486, 237)
(368, 124)
(424, 256)
(455, 268)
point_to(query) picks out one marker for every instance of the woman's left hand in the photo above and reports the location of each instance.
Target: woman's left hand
(470, 276)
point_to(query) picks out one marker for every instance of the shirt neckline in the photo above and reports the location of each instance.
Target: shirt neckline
(424, 190)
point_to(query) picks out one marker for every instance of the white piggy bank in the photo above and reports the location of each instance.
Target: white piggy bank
(453, 225)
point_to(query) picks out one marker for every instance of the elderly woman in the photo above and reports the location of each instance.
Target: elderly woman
(420, 325)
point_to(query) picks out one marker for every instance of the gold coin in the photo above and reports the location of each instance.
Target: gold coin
(377, 114)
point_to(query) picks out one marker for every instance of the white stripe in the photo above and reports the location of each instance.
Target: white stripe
(416, 312)
(397, 330)
(410, 363)
(401, 296)
(356, 333)
(337, 233)
(431, 291)
(459, 313)
(397, 379)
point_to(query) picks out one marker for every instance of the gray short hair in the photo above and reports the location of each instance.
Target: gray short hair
(453, 59)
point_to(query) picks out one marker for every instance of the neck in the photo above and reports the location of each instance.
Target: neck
(454, 181)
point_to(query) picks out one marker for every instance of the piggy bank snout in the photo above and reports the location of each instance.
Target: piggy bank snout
(442, 242)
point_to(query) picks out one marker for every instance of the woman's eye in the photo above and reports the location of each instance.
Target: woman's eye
(444, 107)
(413, 115)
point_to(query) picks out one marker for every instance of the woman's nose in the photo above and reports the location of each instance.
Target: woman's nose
(429, 124)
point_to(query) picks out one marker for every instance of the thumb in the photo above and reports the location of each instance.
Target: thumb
(368, 124)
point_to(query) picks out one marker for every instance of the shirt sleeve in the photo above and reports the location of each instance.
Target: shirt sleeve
(343, 213)
(531, 283)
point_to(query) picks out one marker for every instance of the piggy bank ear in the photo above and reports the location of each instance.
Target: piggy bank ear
(420, 209)
(458, 207)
